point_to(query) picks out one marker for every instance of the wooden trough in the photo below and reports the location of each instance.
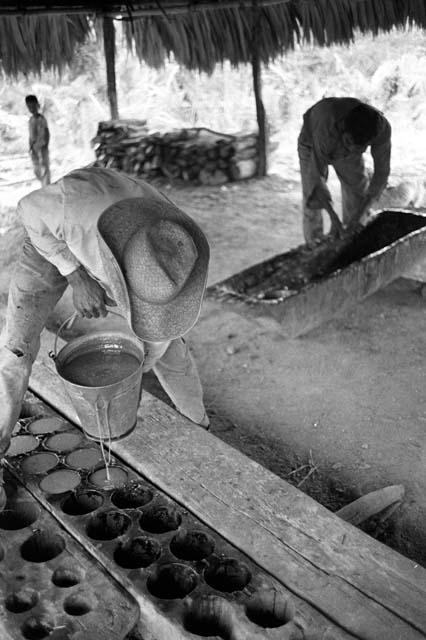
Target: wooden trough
(303, 288)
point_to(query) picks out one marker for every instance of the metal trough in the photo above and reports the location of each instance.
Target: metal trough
(303, 288)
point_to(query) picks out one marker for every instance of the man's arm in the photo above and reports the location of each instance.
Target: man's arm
(42, 215)
(381, 153)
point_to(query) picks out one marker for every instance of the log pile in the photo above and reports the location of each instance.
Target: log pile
(195, 155)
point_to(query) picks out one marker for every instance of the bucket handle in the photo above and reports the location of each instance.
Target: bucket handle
(69, 322)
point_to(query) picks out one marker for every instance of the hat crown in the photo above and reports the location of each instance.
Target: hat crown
(158, 260)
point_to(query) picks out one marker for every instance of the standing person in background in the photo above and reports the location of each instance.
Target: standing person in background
(39, 141)
(337, 131)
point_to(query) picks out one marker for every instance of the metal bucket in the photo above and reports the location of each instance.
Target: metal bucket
(107, 412)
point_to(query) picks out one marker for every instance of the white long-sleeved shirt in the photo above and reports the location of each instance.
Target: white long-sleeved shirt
(61, 219)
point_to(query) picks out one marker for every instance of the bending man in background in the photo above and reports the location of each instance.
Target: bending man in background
(337, 131)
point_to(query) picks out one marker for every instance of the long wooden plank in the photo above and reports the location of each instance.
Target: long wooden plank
(359, 583)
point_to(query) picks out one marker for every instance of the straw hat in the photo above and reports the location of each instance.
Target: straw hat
(163, 257)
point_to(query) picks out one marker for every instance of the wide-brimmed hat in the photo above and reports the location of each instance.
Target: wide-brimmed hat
(163, 257)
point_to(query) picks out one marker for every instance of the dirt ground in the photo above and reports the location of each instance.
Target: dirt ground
(340, 411)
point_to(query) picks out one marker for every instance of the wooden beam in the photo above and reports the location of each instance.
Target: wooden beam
(109, 50)
(118, 10)
(257, 85)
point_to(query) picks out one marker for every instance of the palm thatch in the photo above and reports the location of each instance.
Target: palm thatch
(32, 43)
(198, 33)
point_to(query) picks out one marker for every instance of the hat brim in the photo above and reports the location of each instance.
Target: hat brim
(169, 320)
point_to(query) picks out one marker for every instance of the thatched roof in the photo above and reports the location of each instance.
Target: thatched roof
(199, 33)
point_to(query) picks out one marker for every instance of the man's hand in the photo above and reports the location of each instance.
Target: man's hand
(89, 297)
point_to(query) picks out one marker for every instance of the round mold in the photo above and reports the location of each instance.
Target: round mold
(21, 600)
(132, 495)
(209, 615)
(79, 603)
(192, 545)
(83, 458)
(38, 463)
(60, 481)
(19, 515)
(117, 478)
(227, 575)
(38, 627)
(172, 581)
(137, 553)
(42, 546)
(21, 444)
(66, 576)
(41, 426)
(108, 525)
(269, 608)
(160, 519)
(80, 504)
(63, 442)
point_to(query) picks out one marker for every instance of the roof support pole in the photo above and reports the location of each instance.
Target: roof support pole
(109, 50)
(257, 85)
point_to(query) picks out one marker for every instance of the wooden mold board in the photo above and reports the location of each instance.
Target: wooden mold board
(360, 584)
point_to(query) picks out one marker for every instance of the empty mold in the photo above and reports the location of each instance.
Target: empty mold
(63, 442)
(21, 600)
(80, 504)
(132, 495)
(66, 576)
(192, 545)
(172, 581)
(79, 603)
(42, 546)
(83, 458)
(38, 627)
(38, 463)
(210, 615)
(227, 575)
(19, 515)
(137, 553)
(108, 525)
(270, 608)
(22, 444)
(160, 519)
(60, 481)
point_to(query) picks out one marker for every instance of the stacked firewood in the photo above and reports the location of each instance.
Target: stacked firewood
(196, 155)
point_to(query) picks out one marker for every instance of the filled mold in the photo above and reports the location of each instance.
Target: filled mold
(39, 463)
(60, 481)
(210, 615)
(21, 444)
(116, 477)
(83, 459)
(38, 627)
(63, 442)
(67, 576)
(42, 426)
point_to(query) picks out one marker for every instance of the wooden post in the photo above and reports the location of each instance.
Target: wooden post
(257, 85)
(109, 49)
